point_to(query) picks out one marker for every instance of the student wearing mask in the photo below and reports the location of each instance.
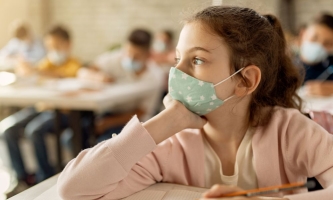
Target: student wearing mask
(163, 54)
(316, 55)
(129, 65)
(233, 119)
(163, 51)
(23, 49)
(58, 63)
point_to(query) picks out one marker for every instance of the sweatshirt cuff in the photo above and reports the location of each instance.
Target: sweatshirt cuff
(133, 143)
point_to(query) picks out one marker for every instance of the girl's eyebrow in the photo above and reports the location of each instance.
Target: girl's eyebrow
(196, 49)
(199, 49)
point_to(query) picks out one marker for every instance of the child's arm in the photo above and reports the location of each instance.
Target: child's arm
(24, 69)
(48, 74)
(126, 163)
(109, 169)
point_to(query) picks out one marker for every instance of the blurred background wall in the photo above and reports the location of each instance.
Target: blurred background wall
(306, 9)
(99, 24)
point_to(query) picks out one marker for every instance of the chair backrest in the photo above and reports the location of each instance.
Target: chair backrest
(324, 119)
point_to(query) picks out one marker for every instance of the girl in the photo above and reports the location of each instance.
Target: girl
(232, 118)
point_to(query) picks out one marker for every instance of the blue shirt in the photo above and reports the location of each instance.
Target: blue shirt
(32, 52)
(319, 71)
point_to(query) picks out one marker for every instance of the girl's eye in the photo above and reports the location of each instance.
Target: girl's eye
(198, 61)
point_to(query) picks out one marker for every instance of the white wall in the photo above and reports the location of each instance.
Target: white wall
(261, 6)
(96, 25)
(28, 10)
(307, 9)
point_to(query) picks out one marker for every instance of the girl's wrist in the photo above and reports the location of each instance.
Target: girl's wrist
(165, 124)
(178, 118)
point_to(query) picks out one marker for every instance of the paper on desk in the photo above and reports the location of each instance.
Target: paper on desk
(147, 195)
(160, 191)
(167, 191)
(50, 194)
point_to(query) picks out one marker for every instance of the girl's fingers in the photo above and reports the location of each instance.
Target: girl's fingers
(167, 100)
(219, 190)
(192, 120)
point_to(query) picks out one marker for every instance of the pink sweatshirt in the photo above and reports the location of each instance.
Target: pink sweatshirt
(288, 149)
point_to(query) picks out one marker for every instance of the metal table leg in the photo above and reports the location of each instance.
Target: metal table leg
(75, 124)
(57, 129)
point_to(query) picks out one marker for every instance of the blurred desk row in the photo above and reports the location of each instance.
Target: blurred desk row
(316, 103)
(75, 96)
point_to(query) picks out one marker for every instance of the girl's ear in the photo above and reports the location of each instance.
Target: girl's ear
(250, 81)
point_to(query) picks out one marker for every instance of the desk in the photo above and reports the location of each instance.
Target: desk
(97, 100)
(36, 190)
(160, 191)
(107, 97)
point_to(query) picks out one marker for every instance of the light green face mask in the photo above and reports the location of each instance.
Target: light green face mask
(197, 96)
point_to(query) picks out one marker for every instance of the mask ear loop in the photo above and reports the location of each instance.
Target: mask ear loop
(229, 77)
(226, 80)
(228, 98)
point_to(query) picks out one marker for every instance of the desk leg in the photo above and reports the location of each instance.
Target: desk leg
(75, 124)
(91, 129)
(57, 129)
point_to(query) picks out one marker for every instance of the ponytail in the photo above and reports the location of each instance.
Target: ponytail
(289, 79)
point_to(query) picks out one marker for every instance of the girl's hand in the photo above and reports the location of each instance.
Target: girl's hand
(175, 118)
(217, 191)
(189, 119)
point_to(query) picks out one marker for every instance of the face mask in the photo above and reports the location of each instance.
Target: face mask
(57, 57)
(130, 65)
(197, 96)
(159, 46)
(313, 52)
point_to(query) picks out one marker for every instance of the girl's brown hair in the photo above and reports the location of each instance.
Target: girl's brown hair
(258, 40)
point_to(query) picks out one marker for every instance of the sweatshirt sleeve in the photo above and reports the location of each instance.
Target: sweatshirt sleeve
(113, 169)
(309, 151)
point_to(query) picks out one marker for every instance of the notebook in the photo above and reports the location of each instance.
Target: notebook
(159, 191)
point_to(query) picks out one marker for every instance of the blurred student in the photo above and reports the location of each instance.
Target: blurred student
(163, 51)
(316, 55)
(163, 54)
(58, 63)
(129, 65)
(23, 49)
(294, 41)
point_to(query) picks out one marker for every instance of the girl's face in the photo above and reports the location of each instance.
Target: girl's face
(203, 55)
